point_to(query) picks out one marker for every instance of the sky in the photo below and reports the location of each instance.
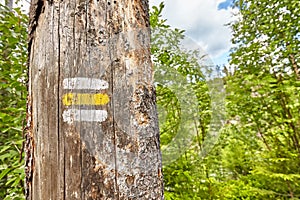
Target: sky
(204, 22)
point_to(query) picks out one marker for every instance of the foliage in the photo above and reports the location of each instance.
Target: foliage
(257, 155)
(12, 100)
(263, 100)
(184, 108)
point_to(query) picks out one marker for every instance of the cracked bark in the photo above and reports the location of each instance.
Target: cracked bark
(119, 157)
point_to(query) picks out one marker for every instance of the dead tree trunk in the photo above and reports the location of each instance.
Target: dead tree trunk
(92, 127)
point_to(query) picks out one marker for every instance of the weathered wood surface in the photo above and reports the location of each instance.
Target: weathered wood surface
(92, 121)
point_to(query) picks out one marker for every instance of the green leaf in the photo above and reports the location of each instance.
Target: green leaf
(4, 173)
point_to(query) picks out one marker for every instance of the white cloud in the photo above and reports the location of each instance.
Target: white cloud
(202, 21)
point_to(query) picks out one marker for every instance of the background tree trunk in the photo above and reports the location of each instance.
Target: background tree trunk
(92, 127)
(9, 3)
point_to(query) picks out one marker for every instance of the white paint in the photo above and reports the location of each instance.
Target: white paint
(76, 115)
(127, 63)
(85, 83)
(71, 161)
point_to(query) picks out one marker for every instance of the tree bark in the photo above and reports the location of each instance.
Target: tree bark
(92, 126)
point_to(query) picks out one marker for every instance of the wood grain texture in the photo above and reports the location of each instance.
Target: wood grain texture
(118, 158)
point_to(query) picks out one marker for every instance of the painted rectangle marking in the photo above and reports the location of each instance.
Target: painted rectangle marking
(85, 83)
(85, 99)
(76, 115)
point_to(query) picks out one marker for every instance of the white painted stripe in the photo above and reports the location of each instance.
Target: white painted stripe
(72, 115)
(85, 83)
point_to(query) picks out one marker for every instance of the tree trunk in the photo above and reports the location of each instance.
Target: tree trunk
(9, 3)
(92, 126)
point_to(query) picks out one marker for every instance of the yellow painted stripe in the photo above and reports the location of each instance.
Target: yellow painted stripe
(85, 99)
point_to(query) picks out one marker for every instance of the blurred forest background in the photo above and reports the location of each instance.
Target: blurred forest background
(257, 151)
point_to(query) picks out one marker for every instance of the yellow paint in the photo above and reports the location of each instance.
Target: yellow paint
(85, 99)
